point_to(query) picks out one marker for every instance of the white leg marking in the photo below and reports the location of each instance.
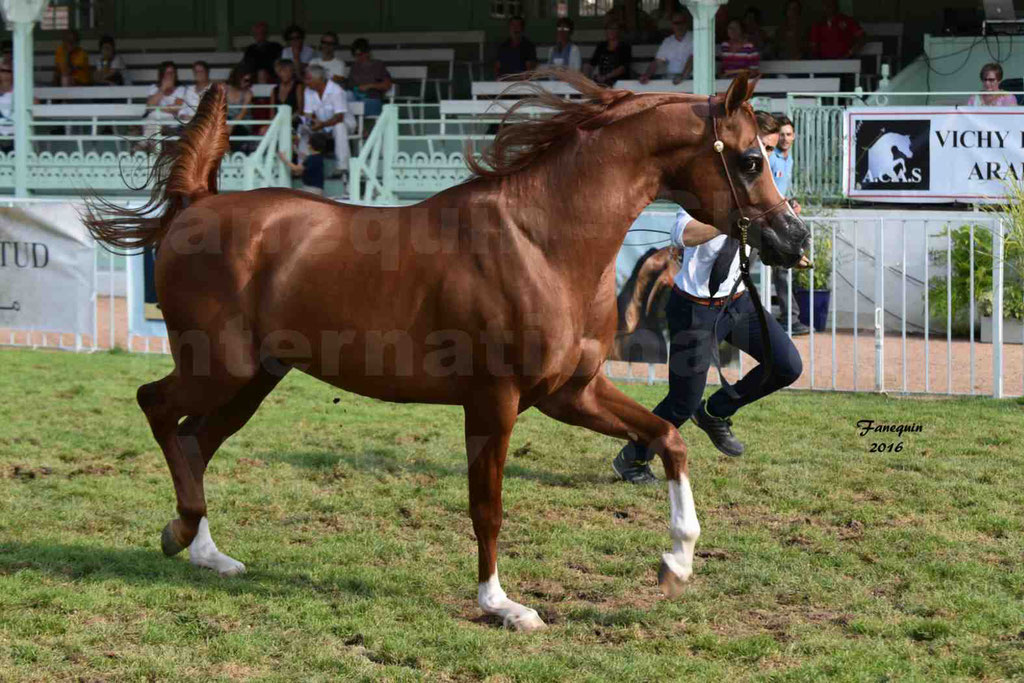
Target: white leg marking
(493, 600)
(677, 566)
(203, 553)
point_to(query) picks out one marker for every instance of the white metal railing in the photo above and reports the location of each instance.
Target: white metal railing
(911, 309)
(371, 173)
(263, 167)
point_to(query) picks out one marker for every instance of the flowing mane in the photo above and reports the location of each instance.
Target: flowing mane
(522, 139)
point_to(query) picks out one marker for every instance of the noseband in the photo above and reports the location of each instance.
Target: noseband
(743, 224)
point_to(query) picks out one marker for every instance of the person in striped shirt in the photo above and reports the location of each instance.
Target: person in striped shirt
(737, 53)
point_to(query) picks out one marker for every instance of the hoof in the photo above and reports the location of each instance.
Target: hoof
(218, 562)
(672, 577)
(169, 542)
(526, 621)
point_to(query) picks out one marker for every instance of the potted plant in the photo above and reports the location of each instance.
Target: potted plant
(820, 278)
(1012, 216)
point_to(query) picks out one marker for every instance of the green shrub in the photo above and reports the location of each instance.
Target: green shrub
(822, 269)
(1013, 283)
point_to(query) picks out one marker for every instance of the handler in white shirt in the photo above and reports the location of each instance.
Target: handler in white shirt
(327, 108)
(709, 271)
(675, 52)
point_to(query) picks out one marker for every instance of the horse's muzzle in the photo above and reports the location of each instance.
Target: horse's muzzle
(784, 239)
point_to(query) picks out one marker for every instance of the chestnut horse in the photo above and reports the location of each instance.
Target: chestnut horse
(497, 294)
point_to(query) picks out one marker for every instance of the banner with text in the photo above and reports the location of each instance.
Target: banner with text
(932, 154)
(47, 269)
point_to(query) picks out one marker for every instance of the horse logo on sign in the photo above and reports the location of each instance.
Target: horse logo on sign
(892, 155)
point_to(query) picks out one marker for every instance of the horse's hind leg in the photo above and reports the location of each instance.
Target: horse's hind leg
(201, 436)
(165, 403)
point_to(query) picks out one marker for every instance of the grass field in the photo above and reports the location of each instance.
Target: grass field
(818, 559)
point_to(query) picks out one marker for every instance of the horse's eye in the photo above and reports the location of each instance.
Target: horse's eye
(750, 165)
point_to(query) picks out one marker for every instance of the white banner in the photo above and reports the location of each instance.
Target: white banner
(47, 269)
(932, 154)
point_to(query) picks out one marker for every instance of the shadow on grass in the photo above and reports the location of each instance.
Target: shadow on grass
(150, 569)
(391, 461)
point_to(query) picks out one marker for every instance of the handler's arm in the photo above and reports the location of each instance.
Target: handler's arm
(689, 232)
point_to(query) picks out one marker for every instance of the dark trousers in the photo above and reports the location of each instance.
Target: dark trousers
(780, 280)
(691, 327)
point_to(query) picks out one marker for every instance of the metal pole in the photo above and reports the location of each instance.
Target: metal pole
(971, 251)
(880, 306)
(997, 311)
(22, 104)
(927, 311)
(223, 26)
(703, 13)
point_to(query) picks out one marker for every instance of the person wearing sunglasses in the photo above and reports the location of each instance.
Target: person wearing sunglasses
(297, 50)
(564, 52)
(329, 59)
(991, 77)
(675, 52)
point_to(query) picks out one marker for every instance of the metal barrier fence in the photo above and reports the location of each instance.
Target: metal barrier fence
(916, 305)
(114, 155)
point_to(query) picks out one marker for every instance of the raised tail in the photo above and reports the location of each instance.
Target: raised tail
(184, 170)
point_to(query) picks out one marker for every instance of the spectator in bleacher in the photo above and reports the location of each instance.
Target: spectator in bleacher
(312, 167)
(368, 78)
(753, 30)
(780, 160)
(737, 53)
(564, 52)
(6, 106)
(991, 77)
(239, 98)
(675, 52)
(289, 90)
(110, 68)
(195, 92)
(518, 53)
(262, 53)
(72, 62)
(166, 97)
(837, 36)
(297, 50)
(611, 59)
(326, 109)
(791, 37)
(331, 62)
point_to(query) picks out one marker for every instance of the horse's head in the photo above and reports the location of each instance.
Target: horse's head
(723, 178)
(903, 145)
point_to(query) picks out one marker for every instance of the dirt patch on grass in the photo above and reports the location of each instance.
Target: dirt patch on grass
(24, 472)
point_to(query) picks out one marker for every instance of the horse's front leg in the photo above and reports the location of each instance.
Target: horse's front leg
(489, 423)
(600, 406)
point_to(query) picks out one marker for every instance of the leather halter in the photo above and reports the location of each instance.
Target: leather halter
(743, 224)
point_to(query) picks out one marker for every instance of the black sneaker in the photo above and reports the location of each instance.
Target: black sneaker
(719, 429)
(799, 328)
(630, 468)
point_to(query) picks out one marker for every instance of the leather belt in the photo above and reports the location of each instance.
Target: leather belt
(713, 301)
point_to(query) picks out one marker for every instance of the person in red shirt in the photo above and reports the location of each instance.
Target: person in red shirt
(838, 36)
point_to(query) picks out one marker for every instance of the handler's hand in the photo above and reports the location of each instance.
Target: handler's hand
(795, 205)
(804, 264)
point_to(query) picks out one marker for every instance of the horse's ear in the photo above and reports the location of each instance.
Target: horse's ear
(752, 85)
(739, 92)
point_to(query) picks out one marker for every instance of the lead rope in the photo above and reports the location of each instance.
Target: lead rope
(743, 223)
